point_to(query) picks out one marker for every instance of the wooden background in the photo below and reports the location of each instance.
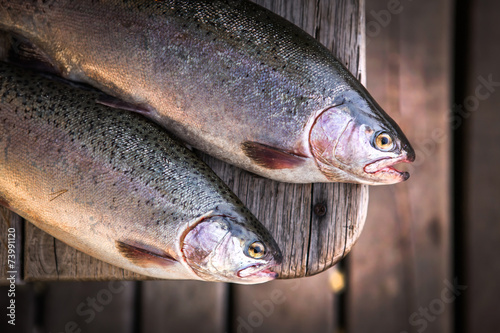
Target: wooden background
(426, 61)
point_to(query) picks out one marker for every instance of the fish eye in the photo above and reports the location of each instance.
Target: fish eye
(256, 250)
(384, 141)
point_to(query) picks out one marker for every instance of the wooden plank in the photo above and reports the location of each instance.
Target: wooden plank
(337, 221)
(89, 307)
(400, 267)
(310, 243)
(300, 305)
(183, 306)
(24, 309)
(482, 162)
(307, 305)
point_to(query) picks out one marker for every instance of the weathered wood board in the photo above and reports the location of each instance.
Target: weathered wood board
(402, 262)
(88, 307)
(311, 242)
(23, 319)
(481, 178)
(299, 305)
(183, 306)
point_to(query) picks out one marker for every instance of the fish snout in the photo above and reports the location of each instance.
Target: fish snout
(409, 151)
(258, 273)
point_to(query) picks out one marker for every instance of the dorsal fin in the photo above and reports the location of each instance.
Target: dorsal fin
(270, 157)
(144, 255)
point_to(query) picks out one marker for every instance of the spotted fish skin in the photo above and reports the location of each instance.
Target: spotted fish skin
(228, 77)
(109, 182)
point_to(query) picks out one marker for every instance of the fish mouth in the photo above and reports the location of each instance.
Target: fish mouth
(259, 272)
(385, 171)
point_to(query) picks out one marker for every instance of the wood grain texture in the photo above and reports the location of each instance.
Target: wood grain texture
(292, 306)
(311, 243)
(88, 307)
(482, 165)
(402, 262)
(183, 306)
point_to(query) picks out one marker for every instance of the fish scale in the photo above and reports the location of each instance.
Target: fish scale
(115, 185)
(230, 78)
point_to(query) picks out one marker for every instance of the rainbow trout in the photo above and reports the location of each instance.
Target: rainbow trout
(115, 186)
(228, 77)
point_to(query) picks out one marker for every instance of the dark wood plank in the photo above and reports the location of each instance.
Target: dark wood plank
(482, 164)
(183, 306)
(22, 320)
(89, 307)
(401, 264)
(300, 305)
(337, 211)
(310, 243)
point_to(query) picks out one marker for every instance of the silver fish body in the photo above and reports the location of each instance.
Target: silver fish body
(228, 77)
(114, 185)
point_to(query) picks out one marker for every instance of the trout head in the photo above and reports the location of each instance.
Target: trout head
(356, 141)
(221, 248)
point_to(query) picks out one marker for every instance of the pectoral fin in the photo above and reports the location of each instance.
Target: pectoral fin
(270, 157)
(4, 203)
(119, 104)
(143, 255)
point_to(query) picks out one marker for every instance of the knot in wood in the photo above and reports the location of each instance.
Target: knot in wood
(320, 209)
